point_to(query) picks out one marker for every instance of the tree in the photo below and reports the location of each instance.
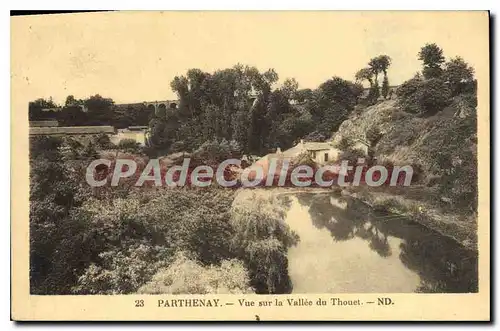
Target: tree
(374, 93)
(57, 248)
(332, 103)
(35, 108)
(457, 73)
(99, 110)
(290, 87)
(262, 238)
(384, 62)
(373, 136)
(357, 90)
(303, 95)
(375, 66)
(71, 101)
(187, 276)
(385, 87)
(102, 141)
(214, 152)
(432, 57)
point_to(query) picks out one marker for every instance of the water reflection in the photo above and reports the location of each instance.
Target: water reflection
(337, 235)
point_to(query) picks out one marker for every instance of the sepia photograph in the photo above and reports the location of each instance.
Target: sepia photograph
(251, 160)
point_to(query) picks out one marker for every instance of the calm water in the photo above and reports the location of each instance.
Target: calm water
(347, 247)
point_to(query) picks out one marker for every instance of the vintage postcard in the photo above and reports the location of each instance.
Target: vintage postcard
(262, 166)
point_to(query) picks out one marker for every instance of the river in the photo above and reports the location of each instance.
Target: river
(346, 247)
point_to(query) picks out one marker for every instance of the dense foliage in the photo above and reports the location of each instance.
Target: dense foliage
(188, 240)
(239, 104)
(135, 239)
(94, 110)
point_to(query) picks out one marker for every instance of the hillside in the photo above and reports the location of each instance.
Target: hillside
(408, 138)
(442, 149)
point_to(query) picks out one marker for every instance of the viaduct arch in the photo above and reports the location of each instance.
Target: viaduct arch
(162, 104)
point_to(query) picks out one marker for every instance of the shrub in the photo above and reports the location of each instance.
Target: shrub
(186, 276)
(132, 239)
(129, 145)
(262, 239)
(373, 135)
(177, 146)
(102, 141)
(215, 151)
(121, 271)
(90, 151)
(345, 143)
(315, 136)
(352, 156)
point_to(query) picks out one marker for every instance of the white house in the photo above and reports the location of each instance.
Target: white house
(137, 133)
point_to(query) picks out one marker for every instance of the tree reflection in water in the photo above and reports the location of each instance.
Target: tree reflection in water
(442, 264)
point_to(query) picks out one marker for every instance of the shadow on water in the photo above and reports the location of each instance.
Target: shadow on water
(442, 265)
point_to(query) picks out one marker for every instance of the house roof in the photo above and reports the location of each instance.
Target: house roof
(72, 130)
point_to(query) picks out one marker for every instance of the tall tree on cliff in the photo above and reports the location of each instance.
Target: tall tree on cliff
(384, 62)
(458, 74)
(365, 74)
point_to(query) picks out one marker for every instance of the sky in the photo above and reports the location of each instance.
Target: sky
(133, 56)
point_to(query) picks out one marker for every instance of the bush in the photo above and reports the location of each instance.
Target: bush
(424, 97)
(214, 152)
(132, 239)
(315, 136)
(186, 276)
(90, 151)
(373, 135)
(177, 146)
(262, 239)
(352, 156)
(102, 141)
(345, 143)
(129, 145)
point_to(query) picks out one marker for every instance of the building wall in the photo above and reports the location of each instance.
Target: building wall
(47, 123)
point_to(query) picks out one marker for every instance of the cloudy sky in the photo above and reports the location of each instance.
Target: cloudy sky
(133, 56)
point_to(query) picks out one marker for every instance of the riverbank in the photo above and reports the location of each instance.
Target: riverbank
(461, 228)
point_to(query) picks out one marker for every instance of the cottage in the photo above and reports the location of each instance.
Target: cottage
(320, 152)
